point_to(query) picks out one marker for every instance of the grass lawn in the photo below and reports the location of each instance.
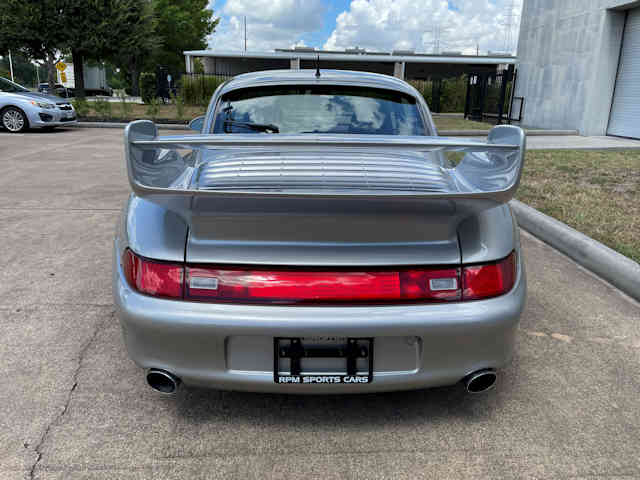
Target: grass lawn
(595, 192)
(459, 123)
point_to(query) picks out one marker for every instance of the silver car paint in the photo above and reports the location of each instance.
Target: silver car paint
(226, 346)
(198, 341)
(22, 100)
(153, 231)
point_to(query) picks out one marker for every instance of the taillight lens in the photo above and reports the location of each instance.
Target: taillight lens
(486, 281)
(269, 286)
(153, 278)
(161, 279)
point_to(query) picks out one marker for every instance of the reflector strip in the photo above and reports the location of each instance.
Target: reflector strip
(287, 287)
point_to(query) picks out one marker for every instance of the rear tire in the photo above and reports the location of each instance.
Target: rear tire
(14, 120)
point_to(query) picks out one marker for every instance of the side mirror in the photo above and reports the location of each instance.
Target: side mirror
(197, 123)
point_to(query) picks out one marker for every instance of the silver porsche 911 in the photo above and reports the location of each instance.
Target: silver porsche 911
(317, 236)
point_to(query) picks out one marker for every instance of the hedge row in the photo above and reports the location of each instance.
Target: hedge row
(453, 93)
(198, 89)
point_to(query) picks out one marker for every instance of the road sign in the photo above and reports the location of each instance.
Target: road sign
(63, 77)
(61, 66)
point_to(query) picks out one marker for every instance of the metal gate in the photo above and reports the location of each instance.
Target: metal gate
(489, 96)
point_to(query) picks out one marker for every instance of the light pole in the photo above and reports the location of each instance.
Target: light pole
(11, 66)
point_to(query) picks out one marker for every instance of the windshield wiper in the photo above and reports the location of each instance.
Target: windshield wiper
(260, 127)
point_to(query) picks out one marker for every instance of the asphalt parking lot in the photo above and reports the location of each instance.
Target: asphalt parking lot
(72, 405)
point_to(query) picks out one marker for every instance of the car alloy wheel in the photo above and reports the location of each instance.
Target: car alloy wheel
(14, 120)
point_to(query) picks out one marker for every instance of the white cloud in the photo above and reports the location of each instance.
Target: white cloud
(382, 25)
(407, 24)
(270, 23)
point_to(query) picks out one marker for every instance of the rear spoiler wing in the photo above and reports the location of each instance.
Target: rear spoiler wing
(487, 175)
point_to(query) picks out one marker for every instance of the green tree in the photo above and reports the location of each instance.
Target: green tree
(95, 30)
(137, 42)
(24, 71)
(91, 30)
(181, 25)
(34, 28)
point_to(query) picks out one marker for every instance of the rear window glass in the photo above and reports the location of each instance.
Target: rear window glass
(319, 109)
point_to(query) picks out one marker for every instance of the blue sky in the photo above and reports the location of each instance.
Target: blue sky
(333, 8)
(382, 25)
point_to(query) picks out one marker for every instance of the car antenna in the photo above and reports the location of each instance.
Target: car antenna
(318, 66)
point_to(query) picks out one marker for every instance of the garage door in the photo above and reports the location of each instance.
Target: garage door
(625, 111)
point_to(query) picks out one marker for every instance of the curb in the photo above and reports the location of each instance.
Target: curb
(608, 264)
(447, 133)
(530, 133)
(161, 126)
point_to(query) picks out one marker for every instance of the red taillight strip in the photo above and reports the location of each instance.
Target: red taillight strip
(288, 286)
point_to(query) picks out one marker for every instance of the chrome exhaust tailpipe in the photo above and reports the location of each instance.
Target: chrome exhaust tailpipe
(162, 381)
(481, 381)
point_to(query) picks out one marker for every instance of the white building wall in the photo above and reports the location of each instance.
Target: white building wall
(568, 55)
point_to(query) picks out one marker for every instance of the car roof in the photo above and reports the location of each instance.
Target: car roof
(308, 77)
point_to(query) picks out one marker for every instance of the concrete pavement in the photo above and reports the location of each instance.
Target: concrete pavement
(74, 406)
(576, 142)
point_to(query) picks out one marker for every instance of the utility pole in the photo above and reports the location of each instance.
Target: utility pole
(245, 33)
(11, 66)
(510, 21)
(436, 31)
(436, 39)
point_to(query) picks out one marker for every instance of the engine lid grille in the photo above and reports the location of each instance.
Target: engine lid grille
(321, 171)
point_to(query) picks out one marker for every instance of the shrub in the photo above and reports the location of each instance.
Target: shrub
(147, 86)
(102, 108)
(178, 101)
(81, 106)
(153, 108)
(453, 93)
(126, 107)
(198, 89)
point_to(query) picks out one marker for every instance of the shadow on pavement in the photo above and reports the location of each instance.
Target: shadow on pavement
(203, 406)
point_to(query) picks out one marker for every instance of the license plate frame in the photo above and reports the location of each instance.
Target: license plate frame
(294, 349)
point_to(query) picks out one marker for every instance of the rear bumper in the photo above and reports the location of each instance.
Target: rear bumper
(230, 347)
